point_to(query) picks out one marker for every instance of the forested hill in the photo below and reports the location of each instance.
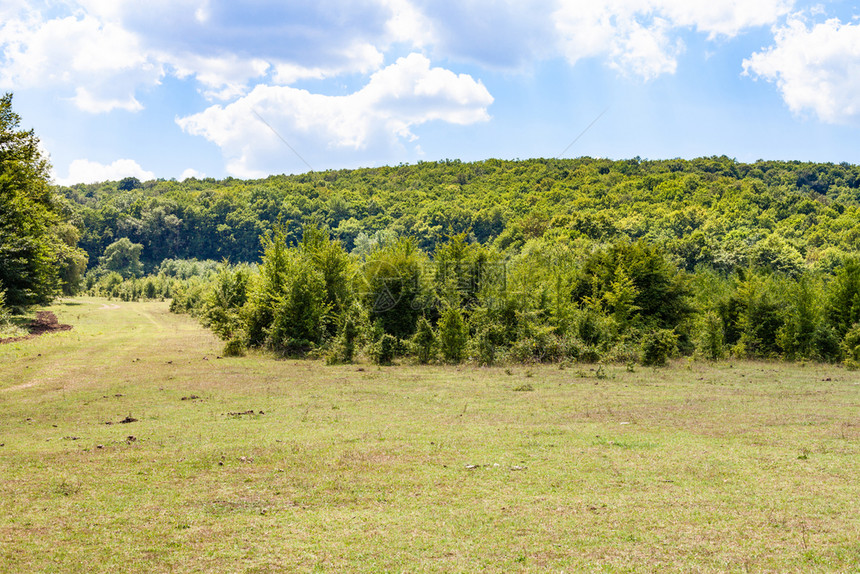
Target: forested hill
(715, 210)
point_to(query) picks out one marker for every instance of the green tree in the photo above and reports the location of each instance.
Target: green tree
(392, 282)
(33, 253)
(123, 257)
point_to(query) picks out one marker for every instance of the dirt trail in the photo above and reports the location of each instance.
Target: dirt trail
(20, 387)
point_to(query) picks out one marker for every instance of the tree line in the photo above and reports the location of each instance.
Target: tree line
(708, 211)
(555, 299)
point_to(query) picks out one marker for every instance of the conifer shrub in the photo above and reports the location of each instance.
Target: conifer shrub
(453, 335)
(710, 342)
(424, 341)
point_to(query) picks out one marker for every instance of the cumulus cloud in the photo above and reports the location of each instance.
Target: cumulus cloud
(252, 131)
(189, 173)
(86, 171)
(640, 37)
(105, 51)
(100, 60)
(816, 68)
(225, 44)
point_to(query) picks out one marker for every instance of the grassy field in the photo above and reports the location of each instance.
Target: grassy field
(744, 467)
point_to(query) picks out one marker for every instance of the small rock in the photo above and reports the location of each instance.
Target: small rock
(472, 466)
(131, 439)
(100, 446)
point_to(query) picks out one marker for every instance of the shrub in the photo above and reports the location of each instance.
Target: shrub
(851, 347)
(227, 294)
(484, 347)
(710, 337)
(657, 346)
(343, 349)
(383, 351)
(453, 335)
(825, 344)
(234, 348)
(5, 314)
(424, 341)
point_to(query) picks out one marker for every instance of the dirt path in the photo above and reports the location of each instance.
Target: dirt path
(20, 387)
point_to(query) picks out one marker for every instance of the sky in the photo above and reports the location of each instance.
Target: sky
(212, 88)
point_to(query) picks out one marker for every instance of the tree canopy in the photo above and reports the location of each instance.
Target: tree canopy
(38, 254)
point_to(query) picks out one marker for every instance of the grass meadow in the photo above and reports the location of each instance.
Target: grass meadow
(256, 464)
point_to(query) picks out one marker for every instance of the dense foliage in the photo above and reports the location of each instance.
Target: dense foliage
(784, 216)
(537, 260)
(38, 257)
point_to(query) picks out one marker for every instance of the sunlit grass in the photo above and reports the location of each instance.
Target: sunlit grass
(696, 467)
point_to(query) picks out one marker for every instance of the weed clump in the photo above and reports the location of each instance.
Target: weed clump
(234, 348)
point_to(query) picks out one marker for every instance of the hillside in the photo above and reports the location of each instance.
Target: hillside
(713, 211)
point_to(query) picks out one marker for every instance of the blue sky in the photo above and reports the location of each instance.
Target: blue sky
(211, 88)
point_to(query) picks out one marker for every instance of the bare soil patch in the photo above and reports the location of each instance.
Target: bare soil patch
(45, 322)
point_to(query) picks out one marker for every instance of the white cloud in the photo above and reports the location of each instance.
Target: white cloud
(361, 58)
(816, 68)
(723, 17)
(100, 61)
(189, 173)
(223, 77)
(85, 171)
(408, 24)
(108, 50)
(639, 37)
(97, 104)
(375, 119)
